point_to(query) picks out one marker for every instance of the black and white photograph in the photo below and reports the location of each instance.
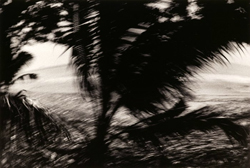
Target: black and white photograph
(124, 83)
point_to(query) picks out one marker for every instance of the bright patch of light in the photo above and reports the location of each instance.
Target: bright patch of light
(64, 13)
(163, 19)
(192, 9)
(161, 5)
(56, 5)
(63, 23)
(176, 18)
(26, 30)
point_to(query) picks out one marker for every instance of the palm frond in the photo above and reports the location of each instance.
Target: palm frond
(16, 64)
(85, 47)
(22, 77)
(101, 36)
(201, 119)
(175, 111)
(157, 63)
(25, 118)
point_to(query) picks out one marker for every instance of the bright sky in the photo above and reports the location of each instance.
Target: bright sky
(240, 56)
(50, 54)
(46, 55)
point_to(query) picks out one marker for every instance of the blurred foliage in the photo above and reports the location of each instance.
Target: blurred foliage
(136, 55)
(20, 117)
(197, 149)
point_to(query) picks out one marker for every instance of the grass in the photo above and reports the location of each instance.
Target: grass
(195, 150)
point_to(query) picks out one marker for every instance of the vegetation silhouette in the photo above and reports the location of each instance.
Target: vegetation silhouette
(135, 55)
(20, 117)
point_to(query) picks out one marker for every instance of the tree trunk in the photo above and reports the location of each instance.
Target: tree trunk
(1, 80)
(97, 148)
(2, 138)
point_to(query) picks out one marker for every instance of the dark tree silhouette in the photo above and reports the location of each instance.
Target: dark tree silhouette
(141, 57)
(135, 55)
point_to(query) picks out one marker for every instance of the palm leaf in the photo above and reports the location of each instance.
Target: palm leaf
(25, 117)
(28, 75)
(101, 36)
(175, 111)
(155, 66)
(201, 119)
(16, 64)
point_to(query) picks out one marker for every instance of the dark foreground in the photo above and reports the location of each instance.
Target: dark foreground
(198, 149)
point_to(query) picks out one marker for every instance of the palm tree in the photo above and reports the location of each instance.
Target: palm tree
(132, 54)
(141, 58)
